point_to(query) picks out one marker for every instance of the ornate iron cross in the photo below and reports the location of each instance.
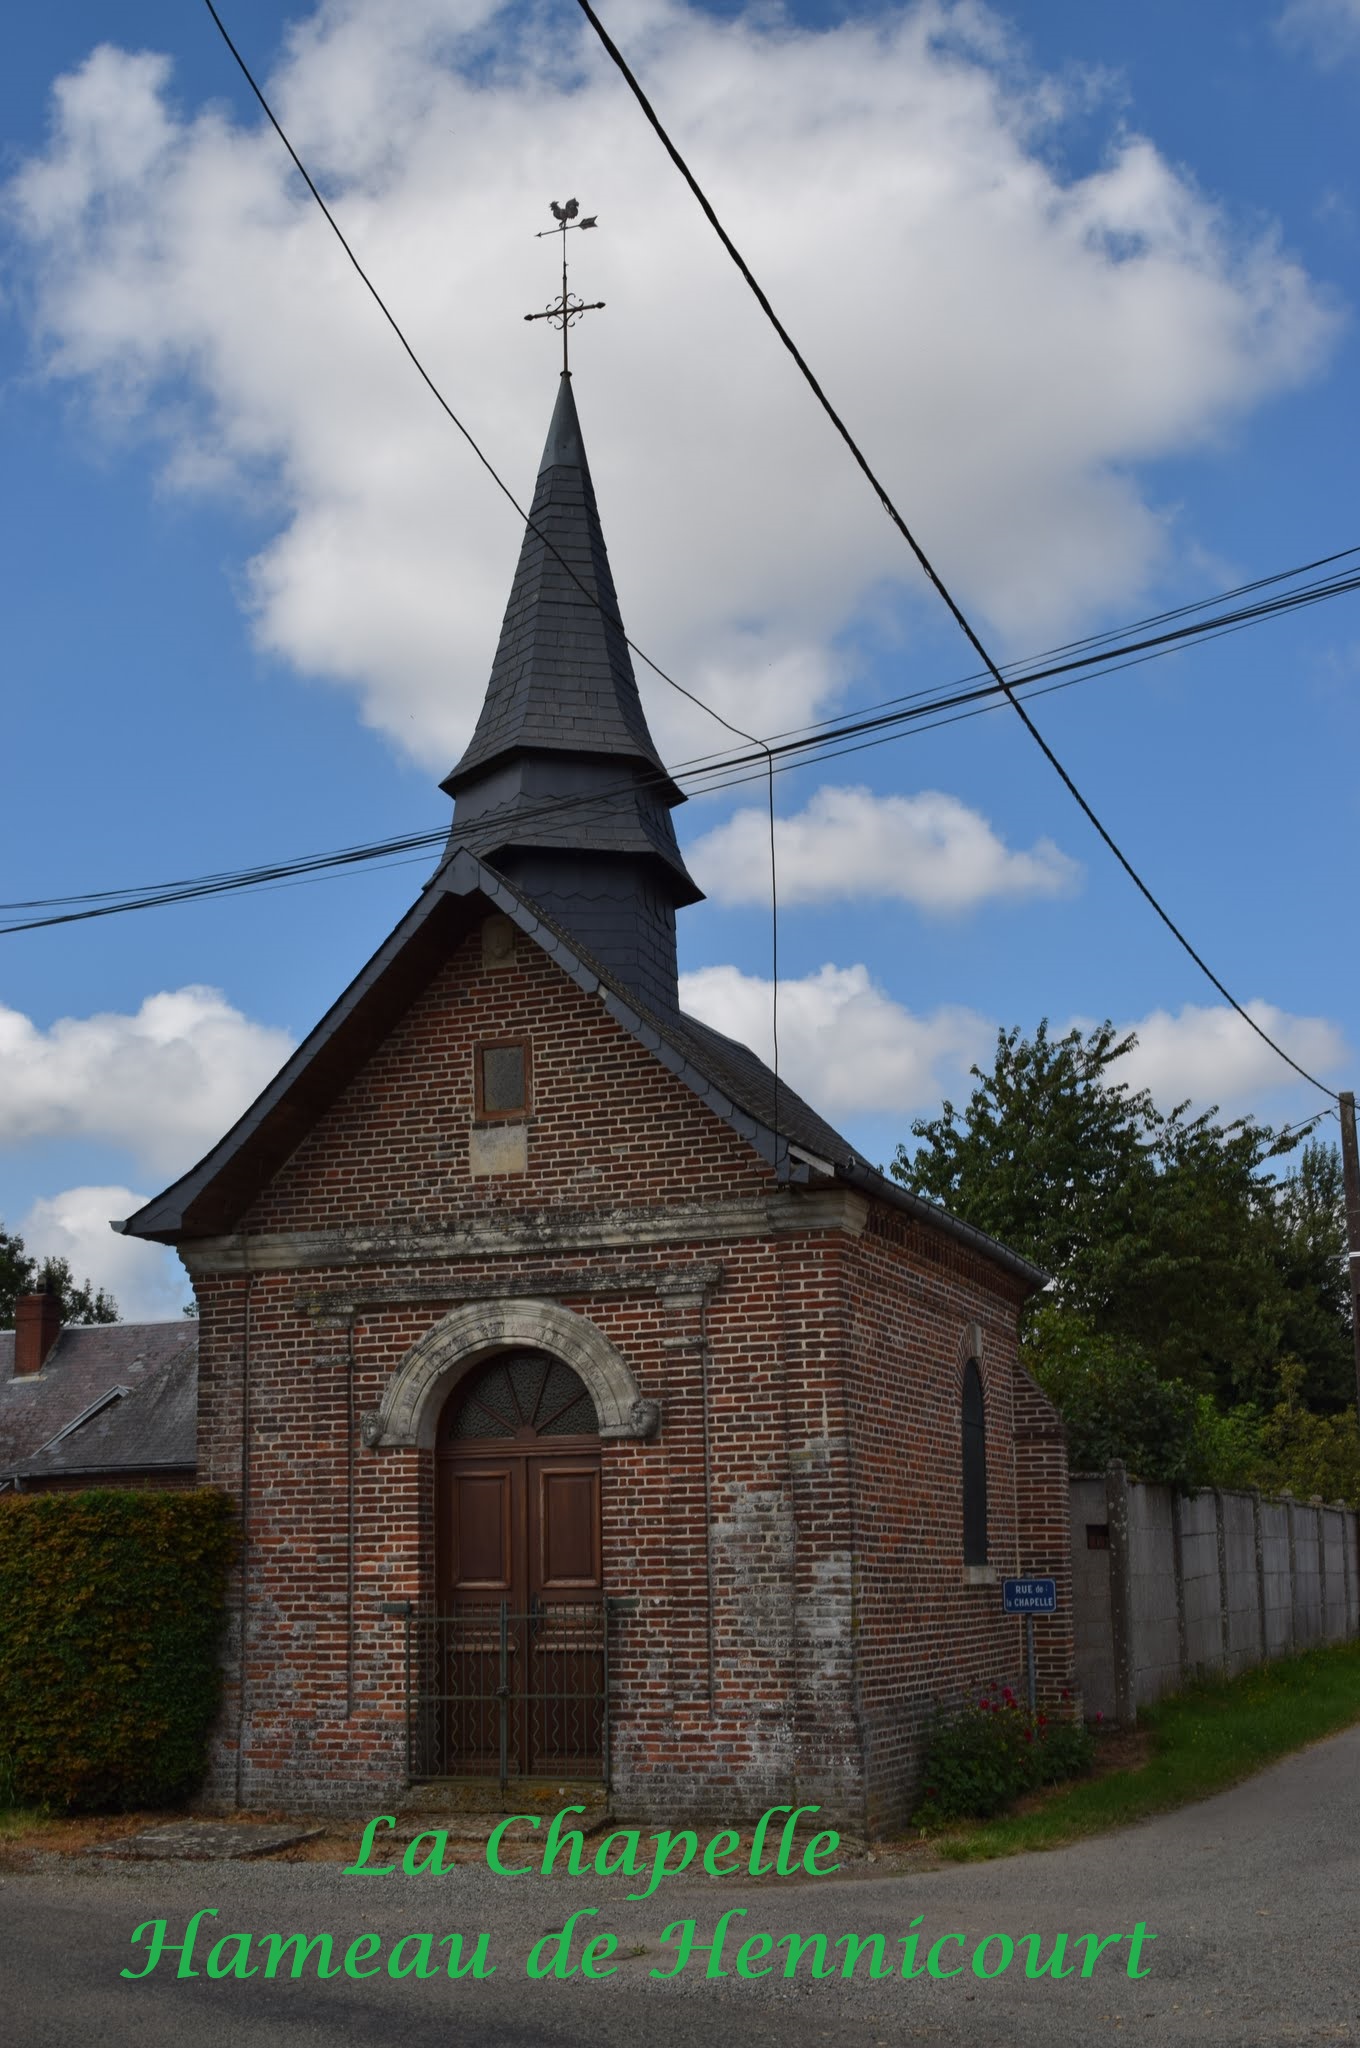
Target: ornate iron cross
(565, 309)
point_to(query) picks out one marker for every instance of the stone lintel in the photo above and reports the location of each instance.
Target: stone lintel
(409, 1410)
(548, 1234)
(678, 1285)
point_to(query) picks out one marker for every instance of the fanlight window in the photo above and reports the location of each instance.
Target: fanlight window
(519, 1396)
(974, 1467)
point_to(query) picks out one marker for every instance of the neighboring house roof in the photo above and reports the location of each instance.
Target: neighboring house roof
(730, 1079)
(83, 1366)
(151, 1427)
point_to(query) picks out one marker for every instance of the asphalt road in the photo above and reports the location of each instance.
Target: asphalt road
(1252, 1898)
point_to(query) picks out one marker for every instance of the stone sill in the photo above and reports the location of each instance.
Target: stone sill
(979, 1574)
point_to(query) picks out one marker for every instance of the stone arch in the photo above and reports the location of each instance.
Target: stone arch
(428, 1372)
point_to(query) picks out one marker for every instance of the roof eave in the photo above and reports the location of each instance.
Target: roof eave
(876, 1186)
(460, 876)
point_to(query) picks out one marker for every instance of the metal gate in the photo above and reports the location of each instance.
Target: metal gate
(491, 1693)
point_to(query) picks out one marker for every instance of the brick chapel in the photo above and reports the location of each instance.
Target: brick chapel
(591, 1411)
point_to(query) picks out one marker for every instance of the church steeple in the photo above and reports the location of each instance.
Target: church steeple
(561, 787)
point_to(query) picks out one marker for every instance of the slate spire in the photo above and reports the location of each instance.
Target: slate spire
(561, 787)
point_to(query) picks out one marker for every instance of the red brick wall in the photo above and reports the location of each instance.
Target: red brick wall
(1042, 1498)
(830, 1366)
(931, 1635)
(609, 1125)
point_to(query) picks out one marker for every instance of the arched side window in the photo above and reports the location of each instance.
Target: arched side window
(974, 1466)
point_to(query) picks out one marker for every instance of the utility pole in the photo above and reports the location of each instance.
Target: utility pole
(1350, 1167)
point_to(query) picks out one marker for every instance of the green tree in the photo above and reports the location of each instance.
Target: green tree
(1317, 1324)
(82, 1305)
(1047, 1156)
(1308, 1453)
(1171, 1239)
(1162, 1231)
(1114, 1403)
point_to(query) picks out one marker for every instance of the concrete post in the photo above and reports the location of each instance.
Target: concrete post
(1224, 1611)
(1121, 1593)
(1178, 1575)
(1264, 1646)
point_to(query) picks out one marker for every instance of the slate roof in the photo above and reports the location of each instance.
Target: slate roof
(728, 1077)
(153, 1428)
(561, 759)
(84, 1364)
(563, 678)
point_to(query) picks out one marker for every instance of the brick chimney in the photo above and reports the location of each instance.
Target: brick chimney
(37, 1324)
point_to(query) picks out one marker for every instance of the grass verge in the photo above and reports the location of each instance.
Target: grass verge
(1201, 1741)
(18, 1821)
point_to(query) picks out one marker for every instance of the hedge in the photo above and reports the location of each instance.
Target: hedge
(111, 1613)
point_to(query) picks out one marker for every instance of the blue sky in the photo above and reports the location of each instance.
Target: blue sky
(1082, 277)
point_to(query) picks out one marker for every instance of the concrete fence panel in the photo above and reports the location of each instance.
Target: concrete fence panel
(1168, 1587)
(1276, 1577)
(1332, 1544)
(1241, 1581)
(1307, 1570)
(1152, 1592)
(1201, 1593)
(1093, 1644)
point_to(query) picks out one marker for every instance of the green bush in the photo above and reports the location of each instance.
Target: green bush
(111, 1611)
(977, 1761)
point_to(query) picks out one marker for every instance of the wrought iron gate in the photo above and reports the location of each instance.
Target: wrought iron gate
(491, 1693)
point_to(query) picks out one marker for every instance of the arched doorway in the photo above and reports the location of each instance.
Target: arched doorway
(522, 1661)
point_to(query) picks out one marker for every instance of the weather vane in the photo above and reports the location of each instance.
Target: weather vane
(564, 310)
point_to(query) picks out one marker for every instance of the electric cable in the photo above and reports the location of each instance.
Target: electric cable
(605, 613)
(886, 502)
(960, 701)
(463, 430)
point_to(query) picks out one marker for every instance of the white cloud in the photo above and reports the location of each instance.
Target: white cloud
(850, 843)
(844, 1043)
(181, 276)
(148, 1282)
(1329, 30)
(1210, 1055)
(165, 1082)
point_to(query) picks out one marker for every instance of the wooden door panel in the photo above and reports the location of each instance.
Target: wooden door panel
(564, 1498)
(482, 1530)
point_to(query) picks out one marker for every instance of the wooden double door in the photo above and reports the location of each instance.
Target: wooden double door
(520, 1671)
(522, 1528)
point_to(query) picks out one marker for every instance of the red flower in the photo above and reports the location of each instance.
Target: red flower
(1028, 1735)
(984, 1706)
(1100, 1716)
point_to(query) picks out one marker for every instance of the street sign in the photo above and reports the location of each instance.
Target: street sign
(1029, 1595)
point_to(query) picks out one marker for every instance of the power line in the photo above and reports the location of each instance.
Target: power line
(462, 428)
(804, 746)
(605, 612)
(890, 509)
(961, 700)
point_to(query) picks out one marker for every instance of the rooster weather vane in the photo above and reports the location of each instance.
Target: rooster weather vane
(564, 310)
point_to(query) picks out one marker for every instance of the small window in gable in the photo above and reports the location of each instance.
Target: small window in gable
(974, 1467)
(502, 1079)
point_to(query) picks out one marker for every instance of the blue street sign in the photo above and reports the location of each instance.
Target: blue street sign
(1029, 1595)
